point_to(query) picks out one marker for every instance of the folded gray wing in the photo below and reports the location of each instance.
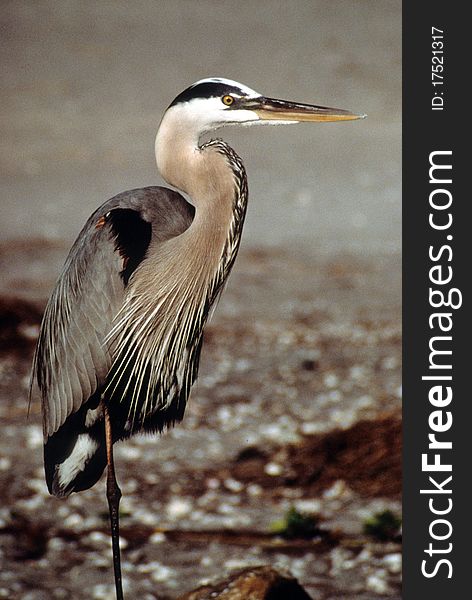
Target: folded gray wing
(72, 360)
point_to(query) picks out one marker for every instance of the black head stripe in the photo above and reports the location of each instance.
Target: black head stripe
(207, 89)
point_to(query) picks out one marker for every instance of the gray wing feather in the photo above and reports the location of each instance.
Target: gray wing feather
(71, 361)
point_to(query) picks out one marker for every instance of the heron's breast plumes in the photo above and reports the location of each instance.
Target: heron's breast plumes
(153, 343)
(156, 337)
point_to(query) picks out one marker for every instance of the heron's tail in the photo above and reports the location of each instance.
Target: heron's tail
(75, 455)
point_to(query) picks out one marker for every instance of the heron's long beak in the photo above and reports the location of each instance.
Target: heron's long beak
(282, 110)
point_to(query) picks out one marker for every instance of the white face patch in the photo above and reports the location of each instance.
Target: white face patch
(200, 109)
(206, 114)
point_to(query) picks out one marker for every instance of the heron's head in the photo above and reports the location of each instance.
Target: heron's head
(212, 103)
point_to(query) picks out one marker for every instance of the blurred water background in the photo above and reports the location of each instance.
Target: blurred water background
(85, 85)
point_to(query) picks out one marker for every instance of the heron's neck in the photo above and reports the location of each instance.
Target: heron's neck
(201, 172)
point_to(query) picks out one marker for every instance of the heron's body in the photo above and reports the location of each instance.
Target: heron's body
(120, 341)
(143, 369)
(90, 292)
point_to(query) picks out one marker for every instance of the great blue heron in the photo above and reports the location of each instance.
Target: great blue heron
(120, 340)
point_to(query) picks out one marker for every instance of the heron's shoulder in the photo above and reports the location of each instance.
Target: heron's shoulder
(167, 211)
(153, 203)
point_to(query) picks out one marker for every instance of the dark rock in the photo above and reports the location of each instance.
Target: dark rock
(253, 583)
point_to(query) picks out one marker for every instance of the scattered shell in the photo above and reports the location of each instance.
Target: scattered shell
(178, 508)
(233, 485)
(393, 562)
(273, 469)
(377, 583)
(157, 538)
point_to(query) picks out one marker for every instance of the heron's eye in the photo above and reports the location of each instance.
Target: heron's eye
(228, 100)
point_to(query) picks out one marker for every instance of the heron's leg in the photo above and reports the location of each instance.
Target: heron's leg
(113, 496)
